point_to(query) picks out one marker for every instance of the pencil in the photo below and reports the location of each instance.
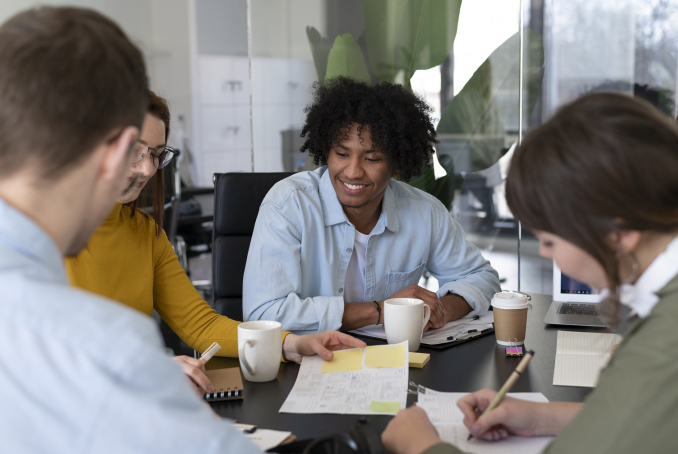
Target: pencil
(522, 365)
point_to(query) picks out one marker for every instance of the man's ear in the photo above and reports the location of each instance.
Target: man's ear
(117, 155)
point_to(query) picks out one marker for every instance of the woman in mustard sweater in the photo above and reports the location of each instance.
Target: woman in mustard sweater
(129, 259)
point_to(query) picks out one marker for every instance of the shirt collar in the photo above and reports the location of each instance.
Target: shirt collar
(22, 234)
(333, 212)
(642, 296)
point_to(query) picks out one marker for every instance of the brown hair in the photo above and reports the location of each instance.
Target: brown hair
(157, 107)
(603, 163)
(68, 78)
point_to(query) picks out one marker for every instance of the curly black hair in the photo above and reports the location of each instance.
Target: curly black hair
(399, 122)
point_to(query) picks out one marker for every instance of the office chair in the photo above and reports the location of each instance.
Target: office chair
(236, 205)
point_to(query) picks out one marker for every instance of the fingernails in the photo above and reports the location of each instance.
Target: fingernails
(475, 429)
(210, 389)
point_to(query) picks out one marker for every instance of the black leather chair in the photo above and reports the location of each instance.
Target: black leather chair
(237, 199)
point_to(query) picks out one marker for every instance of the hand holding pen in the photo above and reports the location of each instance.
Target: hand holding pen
(485, 418)
(194, 369)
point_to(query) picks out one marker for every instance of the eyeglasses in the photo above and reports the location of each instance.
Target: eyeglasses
(160, 156)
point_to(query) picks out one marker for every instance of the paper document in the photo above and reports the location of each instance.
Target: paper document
(443, 412)
(581, 356)
(437, 336)
(377, 387)
(264, 438)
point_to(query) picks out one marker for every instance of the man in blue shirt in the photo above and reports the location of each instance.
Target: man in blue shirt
(329, 246)
(78, 372)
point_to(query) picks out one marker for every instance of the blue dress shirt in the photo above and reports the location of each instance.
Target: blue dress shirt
(83, 374)
(303, 241)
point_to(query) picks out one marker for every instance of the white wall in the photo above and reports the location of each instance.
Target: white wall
(158, 27)
(170, 70)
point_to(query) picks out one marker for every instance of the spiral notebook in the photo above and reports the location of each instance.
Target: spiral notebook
(227, 384)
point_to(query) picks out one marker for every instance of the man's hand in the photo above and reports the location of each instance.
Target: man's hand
(195, 371)
(438, 315)
(321, 344)
(514, 416)
(410, 432)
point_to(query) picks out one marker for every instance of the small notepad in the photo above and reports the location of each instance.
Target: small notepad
(227, 384)
(581, 356)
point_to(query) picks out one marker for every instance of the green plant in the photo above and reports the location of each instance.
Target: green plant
(404, 36)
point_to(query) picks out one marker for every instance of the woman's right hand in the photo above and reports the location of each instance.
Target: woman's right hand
(510, 417)
(194, 369)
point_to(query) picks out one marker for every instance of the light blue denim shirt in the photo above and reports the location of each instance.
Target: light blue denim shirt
(303, 241)
(83, 374)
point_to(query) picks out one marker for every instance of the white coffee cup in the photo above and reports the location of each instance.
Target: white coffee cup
(260, 349)
(405, 319)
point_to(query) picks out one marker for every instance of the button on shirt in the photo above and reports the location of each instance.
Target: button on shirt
(303, 242)
(83, 374)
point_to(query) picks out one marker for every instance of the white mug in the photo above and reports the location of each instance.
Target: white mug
(405, 319)
(260, 349)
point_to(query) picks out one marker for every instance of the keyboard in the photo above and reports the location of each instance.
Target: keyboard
(578, 308)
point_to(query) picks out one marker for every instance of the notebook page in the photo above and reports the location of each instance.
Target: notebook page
(443, 412)
(581, 356)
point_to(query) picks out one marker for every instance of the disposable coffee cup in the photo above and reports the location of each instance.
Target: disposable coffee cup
(510, 317)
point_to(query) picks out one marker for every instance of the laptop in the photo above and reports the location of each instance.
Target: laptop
(574, 303)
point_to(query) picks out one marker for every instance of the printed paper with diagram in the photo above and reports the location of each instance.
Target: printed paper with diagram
(359, 381)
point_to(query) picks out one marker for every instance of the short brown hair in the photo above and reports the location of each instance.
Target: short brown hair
(68, 77)
(157, 107)
(603, 163)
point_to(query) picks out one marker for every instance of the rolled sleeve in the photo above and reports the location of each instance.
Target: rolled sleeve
(273, 279)
(460, 267)
(442, 448)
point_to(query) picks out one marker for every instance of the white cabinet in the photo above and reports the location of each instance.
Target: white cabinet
(222, 131)
(281, 89)
(223, 80)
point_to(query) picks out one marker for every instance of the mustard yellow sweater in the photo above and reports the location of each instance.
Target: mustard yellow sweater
(127, 262)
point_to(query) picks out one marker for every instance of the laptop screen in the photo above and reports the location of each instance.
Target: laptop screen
(573, 286)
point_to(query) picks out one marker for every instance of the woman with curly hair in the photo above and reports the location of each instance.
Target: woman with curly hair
(329, 246)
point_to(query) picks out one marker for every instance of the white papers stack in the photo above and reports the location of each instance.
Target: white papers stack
(443, 412)
(581, 356)
(354, 388)
(437, 336)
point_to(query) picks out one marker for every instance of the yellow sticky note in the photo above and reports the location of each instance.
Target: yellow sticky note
(344, 361)
(418, 360)
(386, 356)
(384, 407)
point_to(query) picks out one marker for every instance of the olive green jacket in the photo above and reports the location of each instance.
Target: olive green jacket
(634, 408)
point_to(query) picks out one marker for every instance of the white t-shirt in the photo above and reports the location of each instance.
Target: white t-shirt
(354, 286)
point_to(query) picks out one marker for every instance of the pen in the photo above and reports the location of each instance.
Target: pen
(473, 331)
(509, 383)
(210, 352)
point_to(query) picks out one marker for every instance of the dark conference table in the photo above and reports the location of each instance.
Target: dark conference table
(474, 365)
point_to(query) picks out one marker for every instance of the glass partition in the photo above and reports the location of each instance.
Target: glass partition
(238, 73)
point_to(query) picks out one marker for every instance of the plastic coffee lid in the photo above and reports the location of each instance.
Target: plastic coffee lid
(510, 300)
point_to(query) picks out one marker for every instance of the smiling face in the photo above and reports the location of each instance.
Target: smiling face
(152, 135)
(572, 260)
(359, 173)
